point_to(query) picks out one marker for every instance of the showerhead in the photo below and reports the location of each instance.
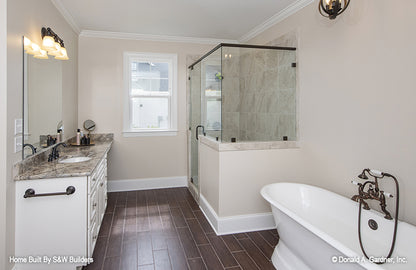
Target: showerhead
(363, 175)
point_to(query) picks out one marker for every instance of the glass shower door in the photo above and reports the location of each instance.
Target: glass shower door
(194, 121)
(205, 108)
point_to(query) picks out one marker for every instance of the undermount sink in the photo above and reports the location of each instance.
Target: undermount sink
(74, 159)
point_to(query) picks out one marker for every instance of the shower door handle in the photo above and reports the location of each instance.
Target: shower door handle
(197, 129)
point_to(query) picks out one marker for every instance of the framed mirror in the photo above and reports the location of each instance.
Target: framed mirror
(42, 101)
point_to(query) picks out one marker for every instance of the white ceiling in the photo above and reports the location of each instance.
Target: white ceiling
(213, 19)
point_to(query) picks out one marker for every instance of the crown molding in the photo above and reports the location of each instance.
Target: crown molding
(148, 37)
(68, 17)
(278, 17)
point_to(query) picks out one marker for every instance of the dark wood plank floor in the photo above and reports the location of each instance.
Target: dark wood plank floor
(165, 229)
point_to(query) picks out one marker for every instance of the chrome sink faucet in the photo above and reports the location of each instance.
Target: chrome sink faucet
(55, 154)
(373, 191)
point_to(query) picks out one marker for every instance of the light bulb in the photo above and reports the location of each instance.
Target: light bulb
(27, 43)
(56, 51)
(48, 43)
(41, 55)
(33, 49)
(62, 55)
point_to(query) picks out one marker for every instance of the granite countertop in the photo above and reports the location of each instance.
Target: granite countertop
(40, 168)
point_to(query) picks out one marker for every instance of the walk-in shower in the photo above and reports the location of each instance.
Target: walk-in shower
(242, 93)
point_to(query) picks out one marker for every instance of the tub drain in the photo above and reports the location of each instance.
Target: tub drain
(373, 224)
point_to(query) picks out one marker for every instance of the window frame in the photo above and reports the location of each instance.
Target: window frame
(172, 60)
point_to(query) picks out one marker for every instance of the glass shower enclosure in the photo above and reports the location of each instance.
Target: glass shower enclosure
(242, 93)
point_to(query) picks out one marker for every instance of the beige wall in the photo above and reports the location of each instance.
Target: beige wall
(209, 175)
(27, 18)
(3, 130)
(356, 102)
(101, 99)
(244, 173)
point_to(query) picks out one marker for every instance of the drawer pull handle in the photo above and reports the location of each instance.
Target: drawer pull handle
(94, 179)
(29, 193)
(95, 237)
(102, 184)
(94, 205)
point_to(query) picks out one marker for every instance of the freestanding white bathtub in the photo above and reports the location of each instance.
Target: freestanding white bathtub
(318, 230)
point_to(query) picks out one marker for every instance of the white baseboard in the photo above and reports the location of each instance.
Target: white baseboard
(236, 224)
(147, 183)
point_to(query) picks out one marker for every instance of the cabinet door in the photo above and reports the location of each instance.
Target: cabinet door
(103, 190)
(51, 225)
(102, 194)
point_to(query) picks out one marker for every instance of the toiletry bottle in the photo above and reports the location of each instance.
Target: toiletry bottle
(58, 136)
(49, 141)
(78, 136)
(88, 139)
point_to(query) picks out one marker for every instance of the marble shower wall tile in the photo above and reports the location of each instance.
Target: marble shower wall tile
(286, 101)
(267, 91)
(259, 93)
(286, 78)
(232, 121)
(287, 126)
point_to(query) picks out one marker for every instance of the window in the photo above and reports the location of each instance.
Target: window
(150, 94)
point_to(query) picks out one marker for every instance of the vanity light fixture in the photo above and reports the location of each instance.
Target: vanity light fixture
(332, 8)
(53, 44)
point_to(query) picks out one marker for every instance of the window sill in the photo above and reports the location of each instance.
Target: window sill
(150, 133)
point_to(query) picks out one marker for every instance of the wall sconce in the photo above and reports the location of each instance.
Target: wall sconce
(332, 8)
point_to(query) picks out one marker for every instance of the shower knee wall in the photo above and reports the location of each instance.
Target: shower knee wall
(231, 180)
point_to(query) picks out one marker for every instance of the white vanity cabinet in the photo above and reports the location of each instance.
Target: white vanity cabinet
(97, 202)
(60, 226)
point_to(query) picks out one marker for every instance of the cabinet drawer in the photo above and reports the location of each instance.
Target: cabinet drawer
(96, 176)
(92, 182)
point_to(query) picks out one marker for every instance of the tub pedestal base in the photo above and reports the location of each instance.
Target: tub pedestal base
(284, 259)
